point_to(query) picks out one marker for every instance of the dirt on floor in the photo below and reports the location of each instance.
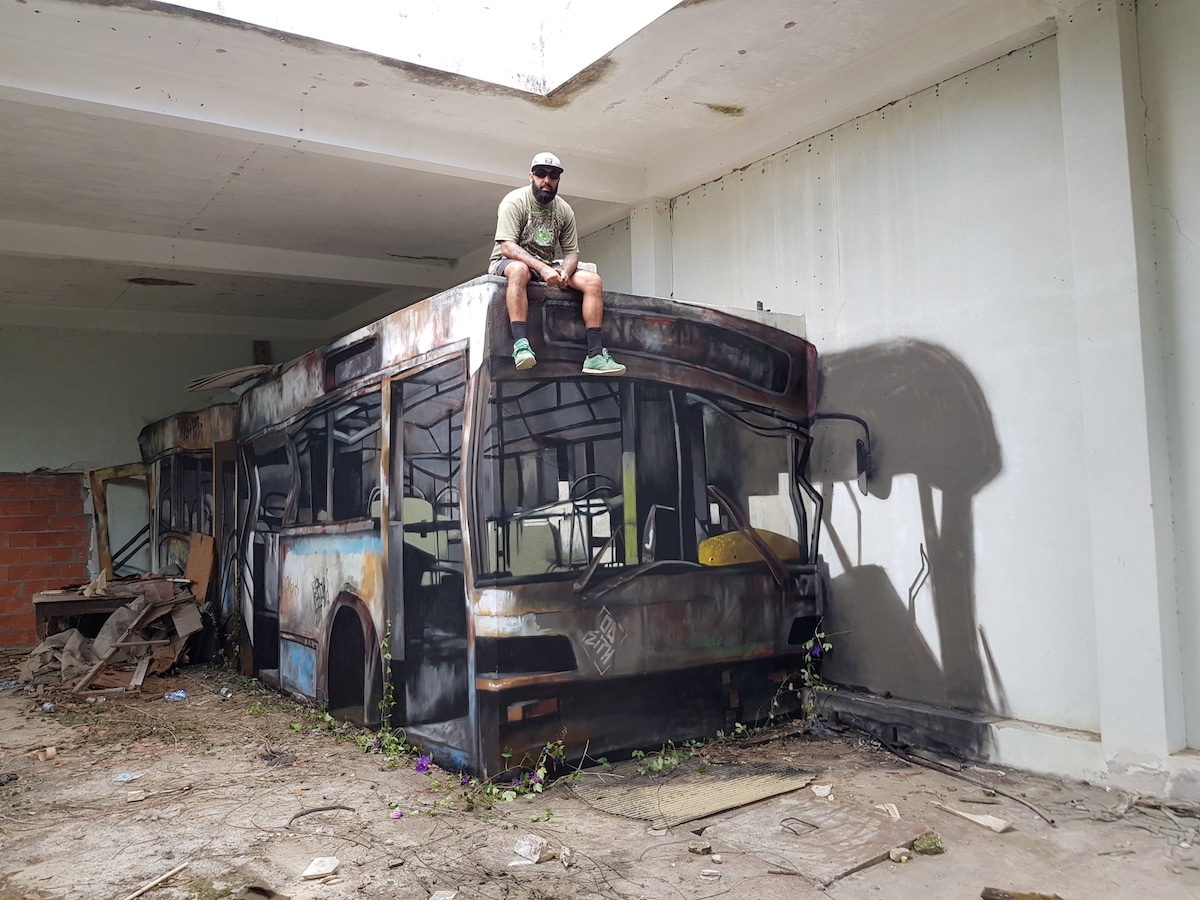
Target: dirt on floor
(234, 791)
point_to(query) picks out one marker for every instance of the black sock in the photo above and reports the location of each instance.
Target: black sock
(518, 330)
(595, 343)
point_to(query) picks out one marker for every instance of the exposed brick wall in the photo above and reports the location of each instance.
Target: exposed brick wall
(44, 538)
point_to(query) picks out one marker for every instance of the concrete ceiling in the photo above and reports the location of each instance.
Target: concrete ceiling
(294, 188)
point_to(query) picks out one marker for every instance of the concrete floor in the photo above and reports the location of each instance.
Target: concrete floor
(222, 783)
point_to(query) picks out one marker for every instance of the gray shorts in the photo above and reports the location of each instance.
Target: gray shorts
(498, 267)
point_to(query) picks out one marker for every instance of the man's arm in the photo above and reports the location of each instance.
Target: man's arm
(569, 264)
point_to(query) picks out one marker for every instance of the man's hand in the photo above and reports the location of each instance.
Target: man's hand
(554, 277)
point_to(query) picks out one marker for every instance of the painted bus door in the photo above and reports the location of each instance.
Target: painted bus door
(426, 590)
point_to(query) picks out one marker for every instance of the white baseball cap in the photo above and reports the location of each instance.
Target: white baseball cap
(549, 160)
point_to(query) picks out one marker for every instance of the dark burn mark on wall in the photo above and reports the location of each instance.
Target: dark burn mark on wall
(566, 92)
(724, 110)
(929, 420)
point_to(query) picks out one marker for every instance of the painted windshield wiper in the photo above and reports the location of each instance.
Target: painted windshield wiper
(770, 557)
(595, 563)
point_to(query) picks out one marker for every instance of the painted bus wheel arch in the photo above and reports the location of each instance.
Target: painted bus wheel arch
(350, 664)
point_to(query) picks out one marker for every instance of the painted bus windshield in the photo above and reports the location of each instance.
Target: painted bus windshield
(609, 474)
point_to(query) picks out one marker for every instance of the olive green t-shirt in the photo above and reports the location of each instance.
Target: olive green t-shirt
(538, 229)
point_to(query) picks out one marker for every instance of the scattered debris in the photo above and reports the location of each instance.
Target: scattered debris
(995, 823)
(566, 856)
(176, 696)
(156, 882)
(8, 777)
(317, 809)
(998, 894)
(929, 844)
(49, 707)
(986, 795)
(533, 848)
(889, 808)
(717, 858)
(710, 874)
(226, 693)
(900, 854)
(823, 790)
(47, 754)
(443, 895)
(700, 848)
(320, 867)
(150, 620)
(126, 777)
(275, 758)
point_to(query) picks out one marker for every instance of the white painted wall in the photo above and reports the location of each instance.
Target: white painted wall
(928, 247)
(608, 248)
(77, 400)
(1170, 66)
(1000, 273)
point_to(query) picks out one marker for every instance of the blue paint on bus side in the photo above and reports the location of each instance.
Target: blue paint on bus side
(328, 544)
(298, 667)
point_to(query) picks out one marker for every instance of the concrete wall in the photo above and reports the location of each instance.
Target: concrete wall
(77, 400)
(1000, 274)
(608, 248)
(928, 247)
(1170, 69)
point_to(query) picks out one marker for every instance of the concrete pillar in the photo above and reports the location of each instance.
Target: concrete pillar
(650, 250)
(1136, 616)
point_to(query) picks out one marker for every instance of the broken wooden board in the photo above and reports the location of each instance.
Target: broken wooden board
(683, 794)
(199, 564)
(186, 619)
(822, 840)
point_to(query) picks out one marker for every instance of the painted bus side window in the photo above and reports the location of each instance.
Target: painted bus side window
(184, 504)
(337, 455)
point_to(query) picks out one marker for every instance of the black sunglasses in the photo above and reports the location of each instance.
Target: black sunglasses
(548, 173)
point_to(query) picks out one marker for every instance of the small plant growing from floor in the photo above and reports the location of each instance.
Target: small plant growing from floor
(664, 760)
(804, 683)
(391, 742)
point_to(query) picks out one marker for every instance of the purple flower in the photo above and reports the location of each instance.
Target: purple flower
(517, 781)
(535, 778)
(465, 779)
(816, 650)
(423, 763)
(397, 814)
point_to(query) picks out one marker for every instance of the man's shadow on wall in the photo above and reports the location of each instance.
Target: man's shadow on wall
(929, 419)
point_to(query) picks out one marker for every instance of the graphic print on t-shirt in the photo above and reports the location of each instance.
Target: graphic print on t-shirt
(540, 235)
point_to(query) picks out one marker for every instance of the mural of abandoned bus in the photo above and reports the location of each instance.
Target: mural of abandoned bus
(536, 555)
(147, 512)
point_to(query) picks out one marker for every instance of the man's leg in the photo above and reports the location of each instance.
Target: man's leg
(516, 298)
(598, 361)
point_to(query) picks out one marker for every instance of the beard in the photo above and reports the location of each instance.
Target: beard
(545, 195)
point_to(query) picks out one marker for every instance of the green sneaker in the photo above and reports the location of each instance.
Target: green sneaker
(522, 355)
(602, 364)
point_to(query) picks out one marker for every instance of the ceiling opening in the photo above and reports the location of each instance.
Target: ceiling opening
(533, 47)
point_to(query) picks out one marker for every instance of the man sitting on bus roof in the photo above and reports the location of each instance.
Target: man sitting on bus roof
(531, 224)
